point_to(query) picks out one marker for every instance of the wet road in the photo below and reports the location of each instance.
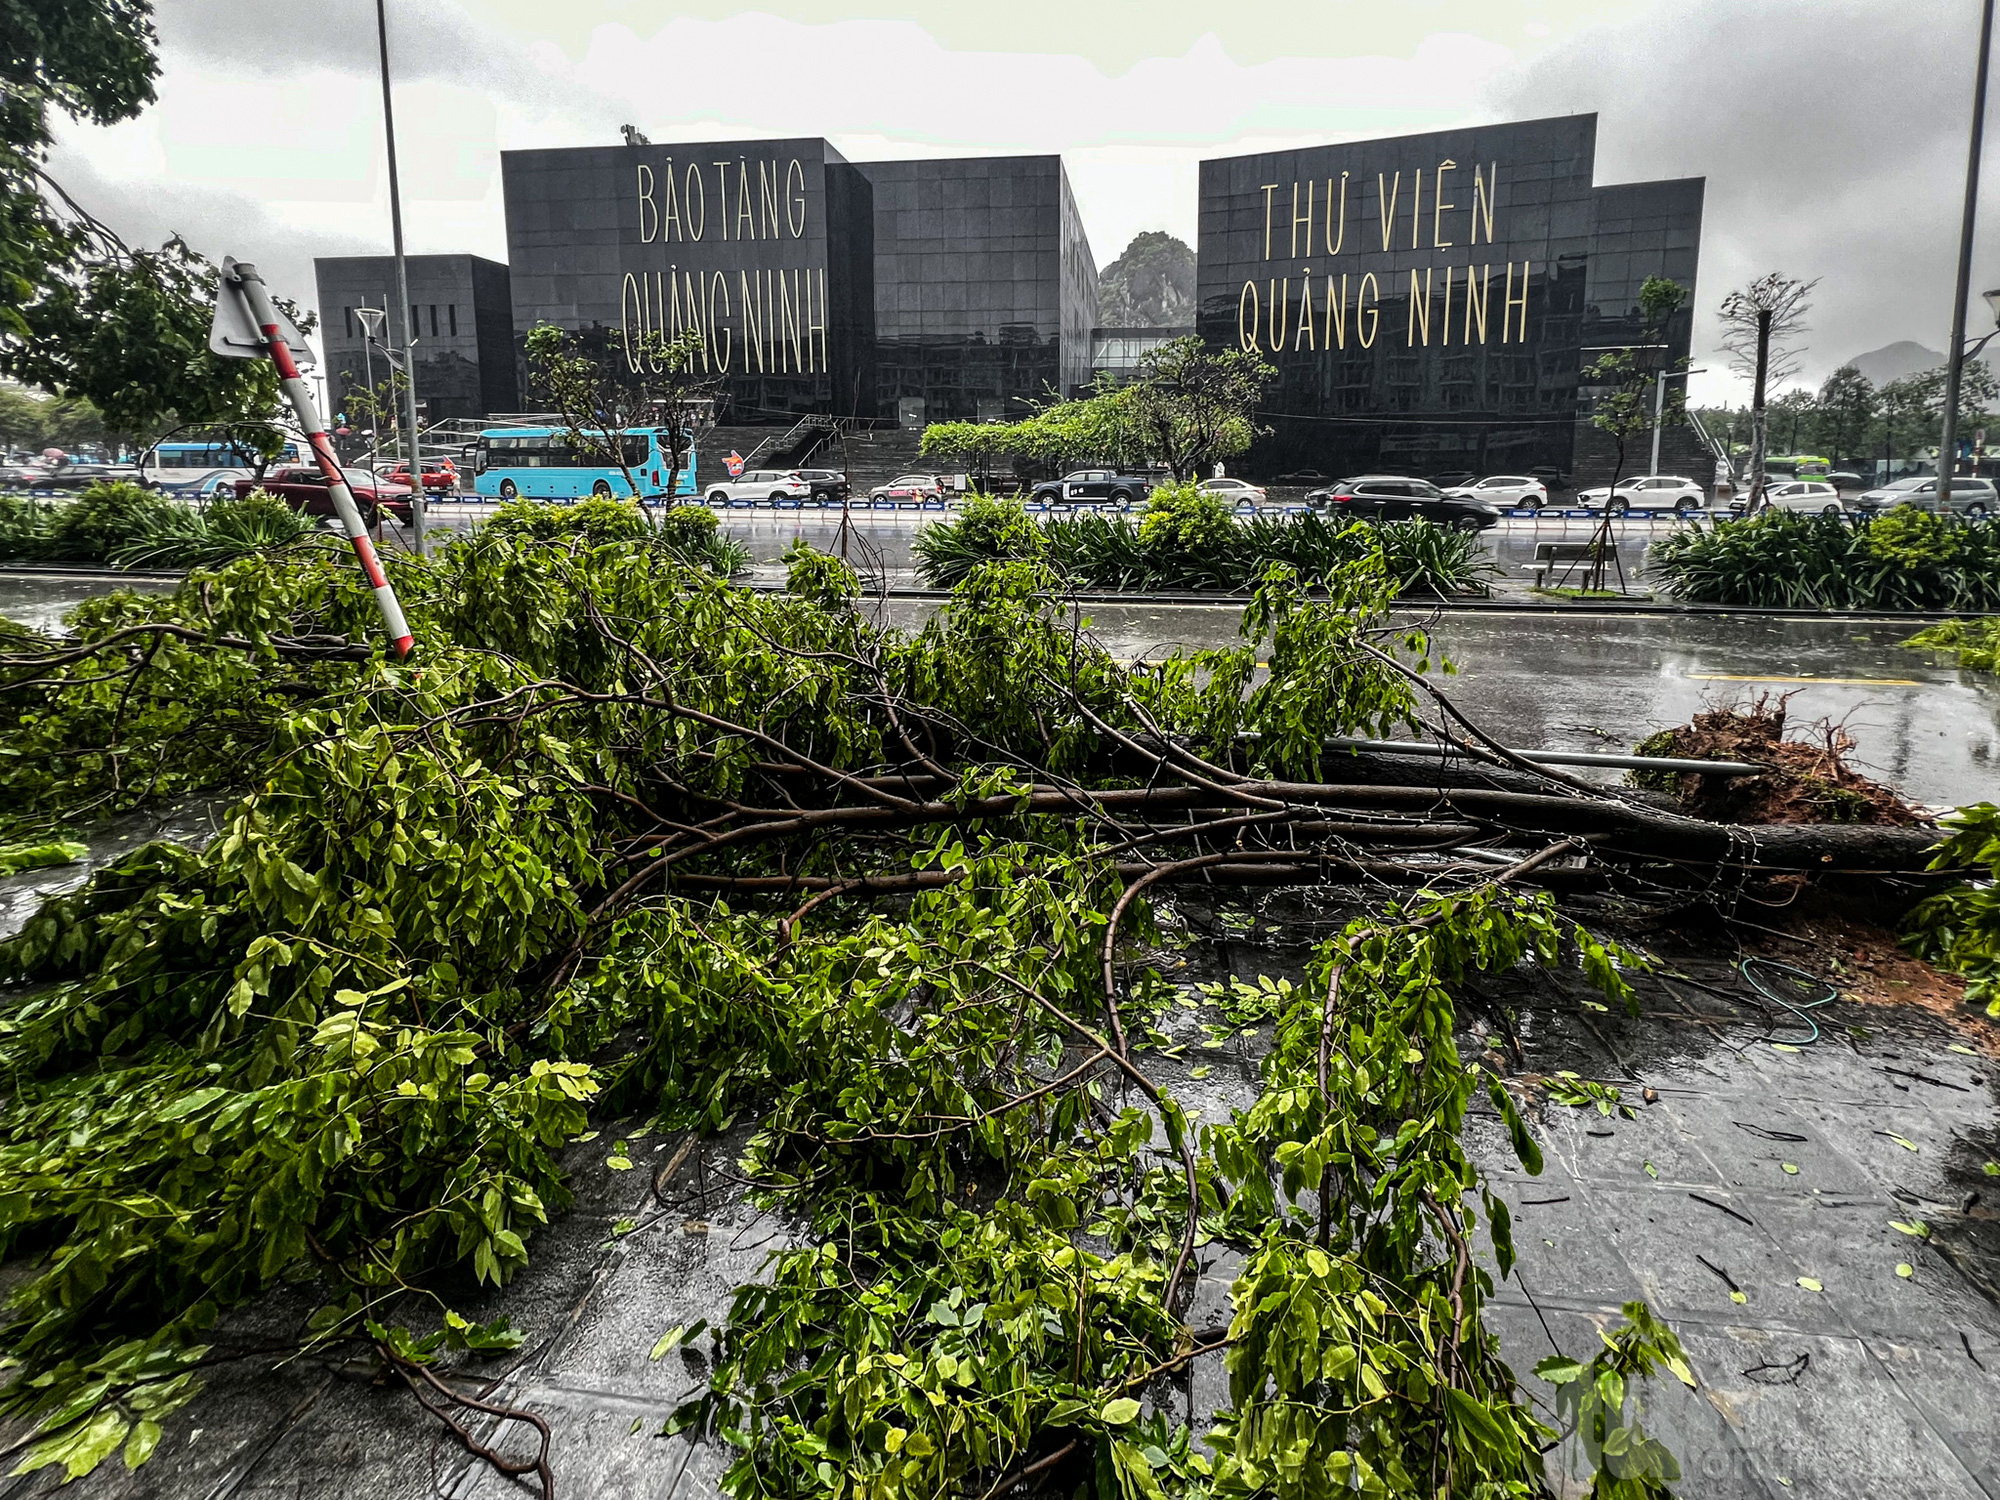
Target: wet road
(1605, 682)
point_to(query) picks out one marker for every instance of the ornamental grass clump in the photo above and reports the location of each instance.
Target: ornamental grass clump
(626, 839)
(1905, 559)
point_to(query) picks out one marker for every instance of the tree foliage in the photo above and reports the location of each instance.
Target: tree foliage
(601, 394)
(632, 839)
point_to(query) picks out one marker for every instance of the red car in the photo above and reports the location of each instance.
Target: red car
(304, 489)
(440, 476)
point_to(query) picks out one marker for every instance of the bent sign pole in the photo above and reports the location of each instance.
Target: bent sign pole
(246, 325)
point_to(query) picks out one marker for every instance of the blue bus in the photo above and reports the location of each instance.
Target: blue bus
(212, 464)
(541, 463)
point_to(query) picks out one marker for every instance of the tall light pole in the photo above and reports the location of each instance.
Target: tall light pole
(412, 448)
(1955, 366)
(371, 323)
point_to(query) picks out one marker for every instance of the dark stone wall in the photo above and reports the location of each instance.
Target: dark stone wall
(985, 288)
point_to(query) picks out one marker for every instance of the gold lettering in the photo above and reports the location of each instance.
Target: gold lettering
(1482, 200)
(767, 197)
(646, 204)
(1307, 220)
(691, 318)
(717, 282)
(1335, 241)
(1246, 328)
(1476, 307)
(1269, 188)
(1279, 319)
(1367, 293)
(1385, 197)
(1417, 208)
(1305, 336)
(1438, 205)
(1420, 308)
(753, 320)
(1507, 307)
(788, 318)
(628, 303)
(818, 327)
(746, 211)
(696, 189)
(671, 213)
(722, 192)
(794, 172)
(1445, 340)
(1334, 335)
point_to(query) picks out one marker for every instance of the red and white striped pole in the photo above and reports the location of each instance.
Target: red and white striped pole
(241, 277)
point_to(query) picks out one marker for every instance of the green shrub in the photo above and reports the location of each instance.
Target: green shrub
(1977, 642)
(183, 536)
(1907, 559)
(1198, 544)
(24, 528)
(594, 521)
(104, 519)
(1959, 929)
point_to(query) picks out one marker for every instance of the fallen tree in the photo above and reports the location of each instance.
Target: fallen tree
(633, 839)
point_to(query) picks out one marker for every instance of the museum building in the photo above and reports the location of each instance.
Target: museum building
(1429, 302)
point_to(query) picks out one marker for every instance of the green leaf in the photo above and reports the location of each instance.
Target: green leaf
(1119, 1411)
(1905, 1270)
(1810, 1284)
(668, 1340)
(140, 1445)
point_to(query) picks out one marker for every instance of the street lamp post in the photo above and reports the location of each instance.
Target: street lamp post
(1955, 366)
(1660, 379)
(412, 448)
(371, 324)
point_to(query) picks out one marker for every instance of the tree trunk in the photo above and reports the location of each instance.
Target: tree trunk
(1759, 417)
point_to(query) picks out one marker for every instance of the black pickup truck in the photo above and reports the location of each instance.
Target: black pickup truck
(1093, 487)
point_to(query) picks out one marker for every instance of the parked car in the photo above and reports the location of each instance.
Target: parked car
(760, 484)
(1652, 492)
(1234, 490)
(829, 486)
(1970, 496)
(1520, 491)
(1106, 485)
(216, 484)
(1840, 479)
(83, 476)
(1397, 497)
(303, 488)
(23, 476)
(1814, 496)
(1454, 479)
(440, 475)
(909, 489)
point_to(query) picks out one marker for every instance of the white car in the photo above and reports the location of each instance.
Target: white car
(1653, 492)
(1236, 491)
(1813, 496)
(774, 485)
(1971, 497)
(1518, 491)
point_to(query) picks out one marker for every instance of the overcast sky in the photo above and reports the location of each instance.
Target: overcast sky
(1831, 132)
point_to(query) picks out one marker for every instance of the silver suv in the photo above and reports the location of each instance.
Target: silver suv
(1971, 496)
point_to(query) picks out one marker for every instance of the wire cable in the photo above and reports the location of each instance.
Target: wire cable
(1791, 976)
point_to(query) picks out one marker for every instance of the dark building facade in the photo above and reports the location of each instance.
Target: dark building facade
(759, 249)
(462, 312)
(985, 287)
(1429, 300)
(893, 291)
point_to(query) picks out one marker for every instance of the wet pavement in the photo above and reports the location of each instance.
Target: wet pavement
(1873, 1383)
(1867, 1382)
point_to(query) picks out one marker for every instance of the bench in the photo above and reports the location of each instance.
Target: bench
(1565, 555)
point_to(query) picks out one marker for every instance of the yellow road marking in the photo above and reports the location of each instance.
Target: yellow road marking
(1827, 681)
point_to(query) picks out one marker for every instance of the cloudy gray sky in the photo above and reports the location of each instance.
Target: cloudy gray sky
(1831, 132)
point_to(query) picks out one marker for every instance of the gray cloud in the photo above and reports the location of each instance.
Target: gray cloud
(1832, 134)
(215, 221)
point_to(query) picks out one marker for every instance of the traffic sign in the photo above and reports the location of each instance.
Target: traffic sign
(233, 334)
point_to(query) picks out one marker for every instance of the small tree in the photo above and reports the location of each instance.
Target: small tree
(1193, 405)
(1846, 403)
(1763, 327)
(651, 382)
